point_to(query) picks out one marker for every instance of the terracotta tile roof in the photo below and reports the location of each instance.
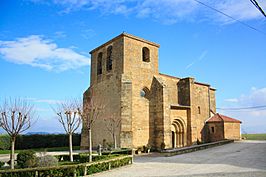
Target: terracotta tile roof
(222, 118)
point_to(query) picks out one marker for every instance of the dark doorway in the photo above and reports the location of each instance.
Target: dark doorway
(173, 139)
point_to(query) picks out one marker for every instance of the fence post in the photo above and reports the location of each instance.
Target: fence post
(36, 173)
(75, 173)
(85, 170)
(109, 165)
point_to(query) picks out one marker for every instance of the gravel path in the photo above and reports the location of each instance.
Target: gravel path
(245, 158)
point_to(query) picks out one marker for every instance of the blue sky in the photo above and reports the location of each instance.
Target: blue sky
(44, 49)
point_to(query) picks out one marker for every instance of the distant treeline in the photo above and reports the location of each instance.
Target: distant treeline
(39, 141)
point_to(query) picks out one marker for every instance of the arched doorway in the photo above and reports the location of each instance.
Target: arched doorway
(173, 130)
(178, 134)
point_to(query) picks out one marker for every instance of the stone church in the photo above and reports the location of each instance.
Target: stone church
(150, 107)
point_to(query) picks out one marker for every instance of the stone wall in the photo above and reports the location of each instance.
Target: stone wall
(156, 114)
(84, 144)
(232, 130)
(171, 85)
(213, 100)
(184, 91)
(106, 91)
(117, 57)
(105, 94)
(200, 110)
(215, 131)
(141, 75)
(126, 134)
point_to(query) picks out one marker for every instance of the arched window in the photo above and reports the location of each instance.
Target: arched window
(99, 63)
(109, 63)
(145, 54)
(145, 92)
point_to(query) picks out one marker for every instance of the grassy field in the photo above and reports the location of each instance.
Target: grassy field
(43, 149)
(254, 136)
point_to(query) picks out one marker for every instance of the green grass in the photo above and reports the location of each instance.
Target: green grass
(254, 136)
(42, 149)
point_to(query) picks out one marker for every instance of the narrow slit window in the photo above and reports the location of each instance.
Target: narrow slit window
(199, 109)
(99, 63)
(109, 63)
(212, 129)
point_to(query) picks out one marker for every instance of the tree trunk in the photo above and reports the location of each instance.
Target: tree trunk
(114, 137)
(90, 146)
(70, 147)
(12, 153)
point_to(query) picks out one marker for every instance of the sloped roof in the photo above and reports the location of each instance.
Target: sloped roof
(222, 118)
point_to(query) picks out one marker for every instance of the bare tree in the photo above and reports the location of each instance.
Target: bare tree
(69, 117)
(16, 117)
(112, 125)
(91, 111)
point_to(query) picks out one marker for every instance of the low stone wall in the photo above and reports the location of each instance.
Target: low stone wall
(172, 152)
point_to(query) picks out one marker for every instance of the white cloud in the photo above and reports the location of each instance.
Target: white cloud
(254, 120)
(48, 101)
(169, 11)
(241, 10)
(254, 98)
(233, 100)
(60, 34)
(38, 109)
(36, 51)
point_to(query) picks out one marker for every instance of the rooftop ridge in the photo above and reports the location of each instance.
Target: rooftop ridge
(222, 118)
(125, 35)
(173, 77)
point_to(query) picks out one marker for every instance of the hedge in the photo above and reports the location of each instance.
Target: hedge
(84, 157)
(45, 141)
(69, 170)
(5, 142)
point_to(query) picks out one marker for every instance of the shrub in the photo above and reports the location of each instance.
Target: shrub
(2, 164)
(84, 157)
(67, 170)
(45, 141)
(4, 142)
(26, 159)
(63, 158)
(95, 168)
(46, 161)
(110, 146)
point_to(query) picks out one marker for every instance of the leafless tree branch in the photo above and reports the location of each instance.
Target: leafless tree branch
(15, 118)
(70, 119)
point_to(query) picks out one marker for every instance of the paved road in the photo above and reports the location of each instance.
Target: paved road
(246, 158)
